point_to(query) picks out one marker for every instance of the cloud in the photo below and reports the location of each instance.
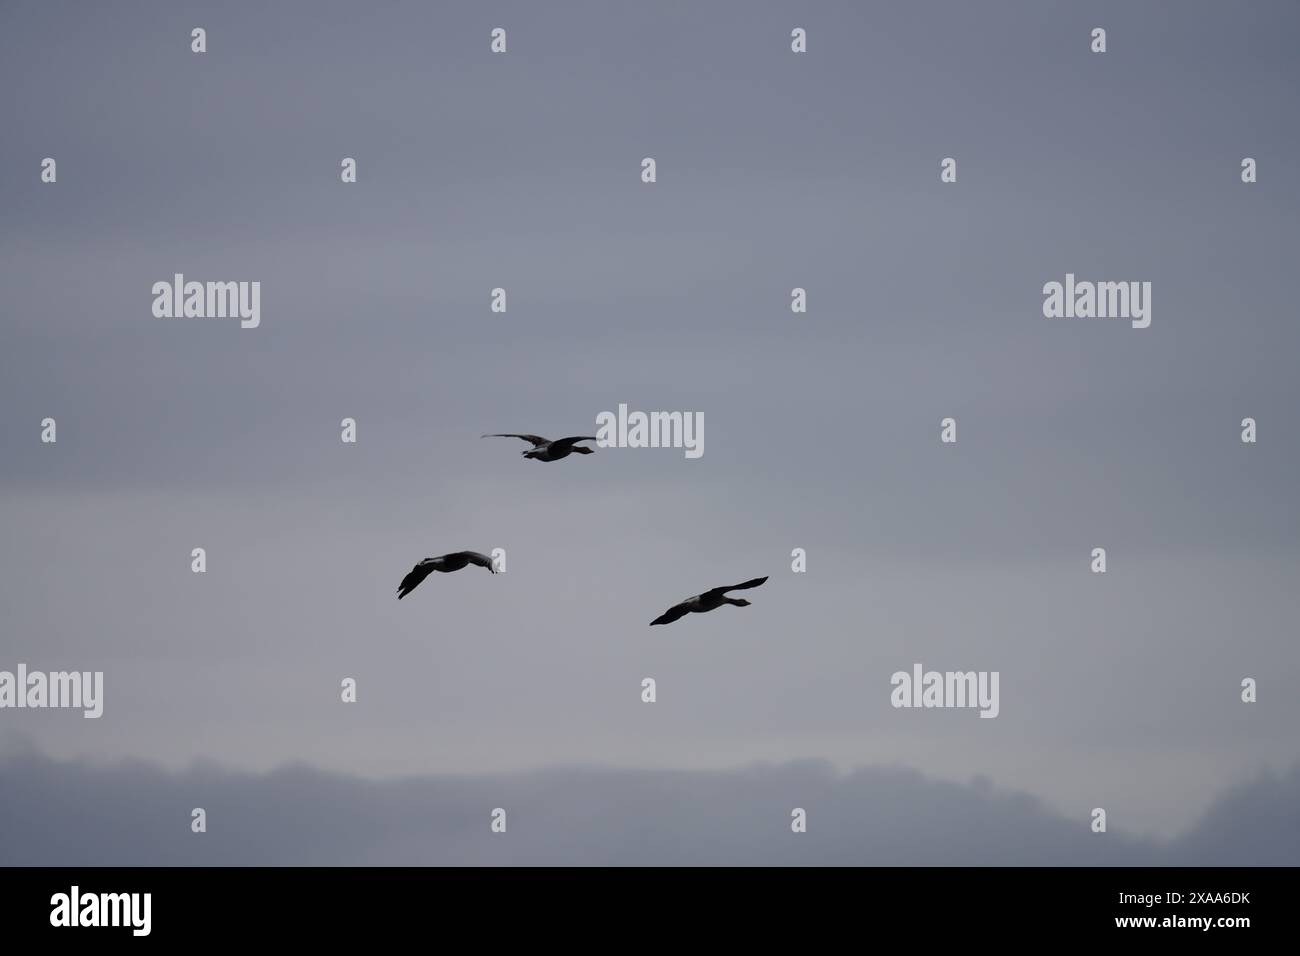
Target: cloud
(132, 813)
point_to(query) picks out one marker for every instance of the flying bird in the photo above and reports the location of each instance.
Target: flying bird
(546, 450)
(706, 602)
(444, 563)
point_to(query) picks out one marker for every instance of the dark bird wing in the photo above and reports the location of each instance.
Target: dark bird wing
(672, 614)
(717, 592)
(569, 442)
(473, 557)
(412, 580)
(535, 439)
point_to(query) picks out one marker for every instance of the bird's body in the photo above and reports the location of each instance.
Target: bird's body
(546, 450)
(708, 601)
(445, 563)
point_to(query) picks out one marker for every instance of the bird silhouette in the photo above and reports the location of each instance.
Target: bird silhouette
(708, 601)
(445, 563)
(546, 450)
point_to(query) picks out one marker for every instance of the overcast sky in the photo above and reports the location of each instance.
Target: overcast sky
(775, 170)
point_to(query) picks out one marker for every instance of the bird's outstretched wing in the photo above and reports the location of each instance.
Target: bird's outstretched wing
(569, 442)
(535, 439)
(473, 557)
(736, 587)
(413, 579)
(672, 614)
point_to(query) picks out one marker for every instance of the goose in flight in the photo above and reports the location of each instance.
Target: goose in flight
(706, 602)
(546, 450)
(444, 563)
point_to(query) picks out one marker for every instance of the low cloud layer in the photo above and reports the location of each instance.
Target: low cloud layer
(76, 813)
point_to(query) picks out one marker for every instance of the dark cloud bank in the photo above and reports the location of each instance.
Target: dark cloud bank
(133, 813)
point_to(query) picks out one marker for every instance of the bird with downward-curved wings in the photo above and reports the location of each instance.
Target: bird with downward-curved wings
(444, 563)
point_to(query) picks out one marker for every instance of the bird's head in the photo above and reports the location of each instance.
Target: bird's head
(531, 453)
(741, 602)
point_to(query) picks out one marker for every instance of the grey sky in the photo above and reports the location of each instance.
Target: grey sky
(134, 814)
(775, 171)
